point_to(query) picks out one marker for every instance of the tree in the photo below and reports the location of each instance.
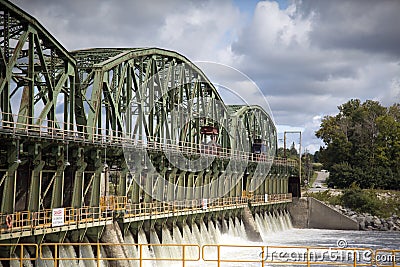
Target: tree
(362, 144)
(293, 150)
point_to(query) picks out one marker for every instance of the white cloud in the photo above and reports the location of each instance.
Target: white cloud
(203, 31)
(303, 79)
(307, 59)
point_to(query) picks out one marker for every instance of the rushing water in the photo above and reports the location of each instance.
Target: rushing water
(275, 229)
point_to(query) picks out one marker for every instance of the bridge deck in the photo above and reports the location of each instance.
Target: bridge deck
(25, 223)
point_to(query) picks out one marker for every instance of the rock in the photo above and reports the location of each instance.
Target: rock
(351, 213)
(385, 227)
(367, 222)
(390, 224)
(377, 222)
(360, 219)
(362, 225)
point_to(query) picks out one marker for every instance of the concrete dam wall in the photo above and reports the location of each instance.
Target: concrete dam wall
(312, 213)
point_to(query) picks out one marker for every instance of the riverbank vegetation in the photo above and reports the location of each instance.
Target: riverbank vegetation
(381, 203)
(362, 146)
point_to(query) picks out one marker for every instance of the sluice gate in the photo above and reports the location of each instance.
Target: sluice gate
(134, 137)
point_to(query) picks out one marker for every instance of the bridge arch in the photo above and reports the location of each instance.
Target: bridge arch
(67, 116)
(143, 92)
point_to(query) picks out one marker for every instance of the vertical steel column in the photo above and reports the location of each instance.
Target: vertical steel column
(123, 179)
(5, 86)
(159, 185)
(171, 185)
(148, 188)
(190, 186)
(34, 190)
(77, 194)
(198, 183)
(181, 186)
(58, 186)
(8, 196)
(98, 181)
(135, 197)
(206, 188)
(239, 186)
(221, 185)
(232, 187)
(266, 184)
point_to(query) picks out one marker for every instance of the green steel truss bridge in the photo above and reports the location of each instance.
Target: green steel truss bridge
(120, 134)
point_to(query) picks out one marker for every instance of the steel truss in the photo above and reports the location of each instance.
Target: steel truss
(142, 123)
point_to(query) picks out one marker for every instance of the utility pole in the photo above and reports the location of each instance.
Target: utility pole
(284, 148)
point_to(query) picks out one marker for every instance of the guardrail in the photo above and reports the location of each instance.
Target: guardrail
(114, 206)
(16, 253)
(272, 198)
(27, 221)
(216, 255)
(386, 257)
(288, 255)
(49, 129)
(142, 257)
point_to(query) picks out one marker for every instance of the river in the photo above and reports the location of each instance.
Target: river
(329, 239)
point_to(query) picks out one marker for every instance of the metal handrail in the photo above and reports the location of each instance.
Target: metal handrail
(19, 248)
(103, 136)
(288, 255)
(110, 206)
(387, 257)
(212, 253)
(140, 248)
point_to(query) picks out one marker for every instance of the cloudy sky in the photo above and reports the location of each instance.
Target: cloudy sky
(307, 57)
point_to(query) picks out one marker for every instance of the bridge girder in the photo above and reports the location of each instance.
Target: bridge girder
(37, 73)
(148, 94)
(58, 102)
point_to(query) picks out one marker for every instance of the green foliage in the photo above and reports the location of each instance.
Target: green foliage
(379, 203)
(362, 145)
(326, 196)
(375, 202)
(360, 200)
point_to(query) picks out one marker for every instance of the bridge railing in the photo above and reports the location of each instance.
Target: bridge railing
(209, 254)
(111, 206)
(287, 255)
(272, 198)
(39, 220)
(49, 129)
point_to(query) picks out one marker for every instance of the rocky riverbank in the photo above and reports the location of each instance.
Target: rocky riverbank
(368, 222)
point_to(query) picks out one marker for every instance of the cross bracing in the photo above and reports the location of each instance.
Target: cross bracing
(138, 123)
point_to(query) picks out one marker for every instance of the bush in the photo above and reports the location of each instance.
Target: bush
(361, 200)
(342, 175)
(326, 196)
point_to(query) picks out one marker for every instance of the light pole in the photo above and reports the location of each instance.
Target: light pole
(284, 148)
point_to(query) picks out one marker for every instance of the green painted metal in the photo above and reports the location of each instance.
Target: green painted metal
(69, 114)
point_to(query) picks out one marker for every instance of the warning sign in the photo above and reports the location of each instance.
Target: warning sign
(57, 217)
(204, 203)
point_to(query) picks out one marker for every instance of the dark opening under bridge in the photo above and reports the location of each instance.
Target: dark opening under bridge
(129, 135)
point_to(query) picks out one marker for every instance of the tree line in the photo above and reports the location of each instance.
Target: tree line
(362, 145)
